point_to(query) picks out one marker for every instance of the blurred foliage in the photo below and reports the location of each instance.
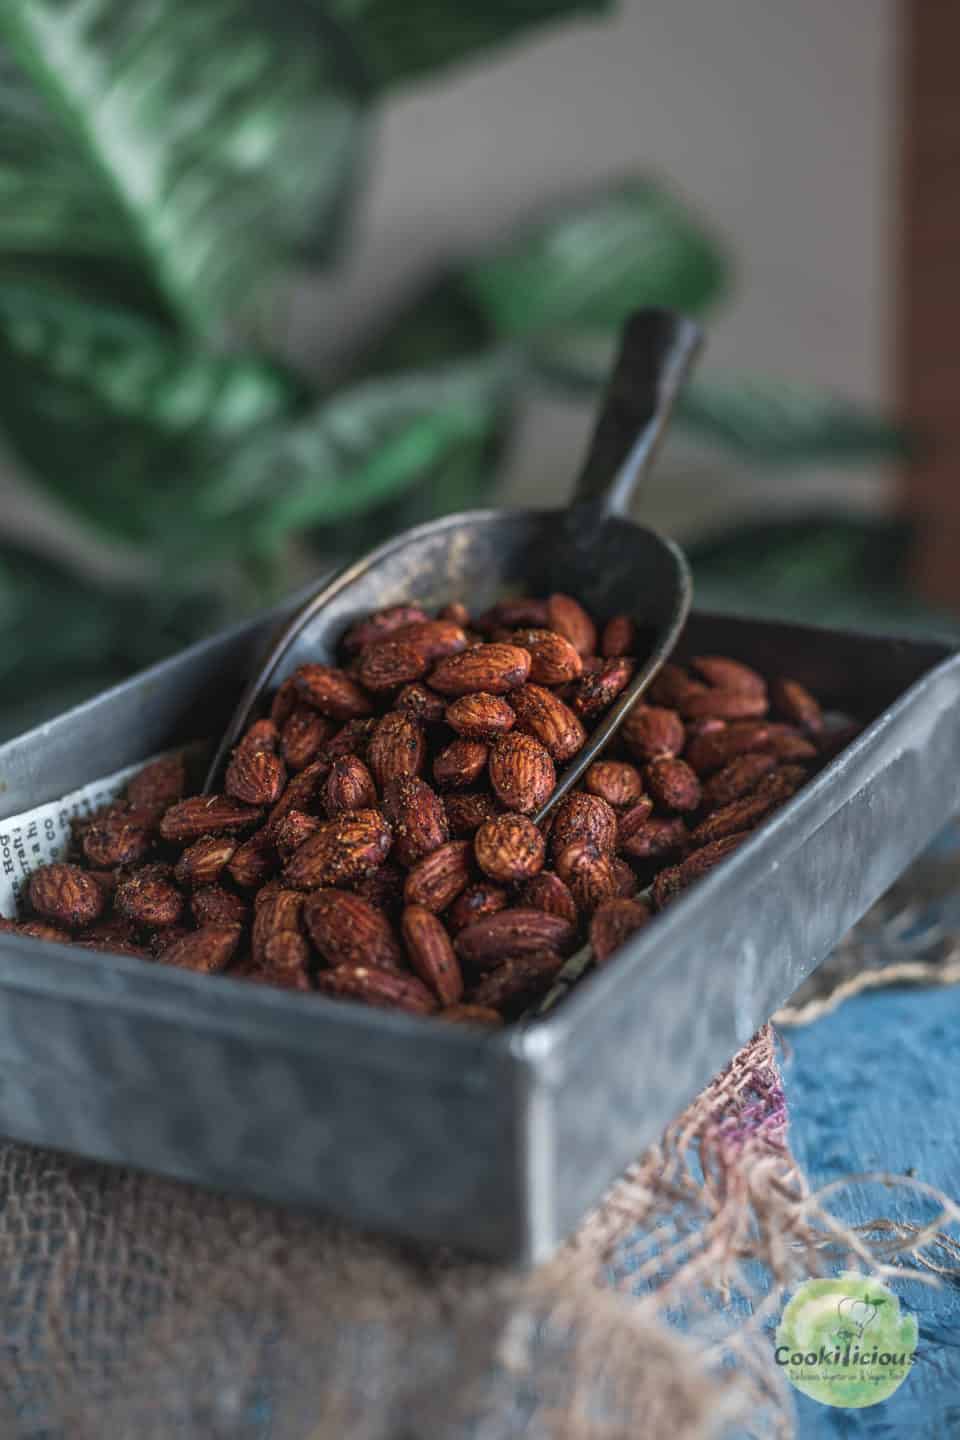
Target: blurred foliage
(165, 166)
(822, 568)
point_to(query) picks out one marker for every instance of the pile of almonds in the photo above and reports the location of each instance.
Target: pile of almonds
(374, 840)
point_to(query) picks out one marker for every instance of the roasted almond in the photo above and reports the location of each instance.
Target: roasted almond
(669, 883)
(200, 864)
(745, 813)
(421, 704)
(723, 704)
(282, 972)
(397, 749)
(568, 617)
(417, 818)
(332, 692)
(388, 664)
(728, 674)
(291, 830)
(348, 786)
(516, 980)
(254, 861)
(597, 691)
(495, 669)
(673, 784)
(303, 790)
(431, 954)
(471, 1015)
(787, 743)
(379, 625)
(207, 815)
(65, 894)
(620, 784)
(584, 817)
(149, 898)
(281, 912)
(547, 718)
(713, 749)
(158, 785)
(118, 835)
(509, 848)
(521, 773)
(476, 903)
(216, 905)
(549, 893)
(382, 888)
(434, 639)
(347, 929)
(285, 701)
(480, 717)
(460, 763)
(670, 684)
(352, 739)
(633, 818)
(588, 873)
(613, 923)
(650, 731)
(619, 637)
(508, 614)
(652, 839)
(737, 779)
(437, 879)
(514, 931)
(796, 704)
(207, 950)
(343, 849)
(554, 661)
(627, 883)
(391, 989)
(466, 813)
(303, 735)
(255, 775)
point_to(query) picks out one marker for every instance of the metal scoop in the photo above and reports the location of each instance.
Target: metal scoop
(590, 550)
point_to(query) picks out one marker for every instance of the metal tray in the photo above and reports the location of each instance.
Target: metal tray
(494, 1142)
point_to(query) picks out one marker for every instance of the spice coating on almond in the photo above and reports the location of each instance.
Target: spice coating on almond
(522, 773)
(431, 954)
(343, 849)
(66, 895)
(494, 668)
(346, 929)
(509, 848)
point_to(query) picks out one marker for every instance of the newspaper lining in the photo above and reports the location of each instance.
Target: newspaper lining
(43, 833)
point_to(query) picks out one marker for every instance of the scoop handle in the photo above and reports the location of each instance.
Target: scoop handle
(657, 349)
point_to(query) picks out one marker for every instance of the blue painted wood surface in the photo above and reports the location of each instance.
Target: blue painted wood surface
(876, 1086)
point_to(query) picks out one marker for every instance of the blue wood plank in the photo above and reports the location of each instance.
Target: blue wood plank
(876, 1086)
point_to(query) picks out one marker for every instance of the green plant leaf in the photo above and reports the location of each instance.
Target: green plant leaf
(774, 423)
(584, 267)
(364, 446)
(203, 142)
(399, 41)
(120, 420)
(764, 422)
(63, 637)
(825, 567)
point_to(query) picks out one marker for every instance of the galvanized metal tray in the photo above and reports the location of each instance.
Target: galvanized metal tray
(494, 1142)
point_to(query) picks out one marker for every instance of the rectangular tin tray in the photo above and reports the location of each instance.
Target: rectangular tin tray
(495, 1142)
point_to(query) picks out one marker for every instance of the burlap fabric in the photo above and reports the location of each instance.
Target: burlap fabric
(138, 1307)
